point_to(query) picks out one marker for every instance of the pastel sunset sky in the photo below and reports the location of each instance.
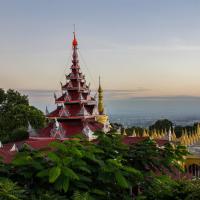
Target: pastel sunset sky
(151, 47)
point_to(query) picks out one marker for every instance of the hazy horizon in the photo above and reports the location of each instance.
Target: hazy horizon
(126, 108)
(119, 94)
(151, 47)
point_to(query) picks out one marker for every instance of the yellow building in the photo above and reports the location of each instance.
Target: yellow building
(192, 142)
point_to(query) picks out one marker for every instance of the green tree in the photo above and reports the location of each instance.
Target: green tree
(19, 134)
(15, 98)
(187, 190)
(2, 95)
(165, 188)
(116, 126)
(163, 124)
(158, 188)
(15, 113)
(10, 190)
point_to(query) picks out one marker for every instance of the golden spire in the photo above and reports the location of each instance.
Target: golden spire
(154, 134)
(174, 138)
(186, 136)
(124, 132)
(100, 100)
(134, 133)
(190, 139)
(198, 129)
(145, 133)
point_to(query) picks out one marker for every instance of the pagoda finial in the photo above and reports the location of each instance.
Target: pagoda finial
(100, 100)
(75, 48)
(74, 43)
(100, 88)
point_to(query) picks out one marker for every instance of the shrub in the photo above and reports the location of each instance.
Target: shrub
(19, 134)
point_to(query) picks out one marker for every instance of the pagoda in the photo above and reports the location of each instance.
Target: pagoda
(77, 111)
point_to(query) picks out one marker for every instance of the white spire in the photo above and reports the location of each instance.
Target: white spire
(170, 134)
(88, 133)
(81, 96)
(31, 130)
(83, 111)
(64, 111)
(1, 145)
(47, 111)
(14, 148)
(106, 127)
(57, 125)
(134, 133)
(118, 130)
(29, 127)
(57, 131)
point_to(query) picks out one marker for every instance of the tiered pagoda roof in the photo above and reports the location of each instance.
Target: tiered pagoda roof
(77, 110)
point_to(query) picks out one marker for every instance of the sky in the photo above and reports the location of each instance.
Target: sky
(150, 47)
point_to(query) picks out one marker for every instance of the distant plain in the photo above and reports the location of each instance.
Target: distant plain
(124, 107)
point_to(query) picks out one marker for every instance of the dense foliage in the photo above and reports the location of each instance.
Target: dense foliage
(78, 169)
(15, 113)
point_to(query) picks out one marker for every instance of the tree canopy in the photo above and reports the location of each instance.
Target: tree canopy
(162, 124)
(16, 113)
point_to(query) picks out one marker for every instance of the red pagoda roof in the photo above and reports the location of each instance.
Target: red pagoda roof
(72, 128)
(75, 107)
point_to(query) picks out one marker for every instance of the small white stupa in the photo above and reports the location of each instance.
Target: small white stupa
(57, 131)
(1, 145)
(31, 130)
(89, 133)
(14, 148)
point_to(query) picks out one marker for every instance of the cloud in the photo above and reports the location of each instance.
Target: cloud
(171, 44)
(125, 94)
(166, 48)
